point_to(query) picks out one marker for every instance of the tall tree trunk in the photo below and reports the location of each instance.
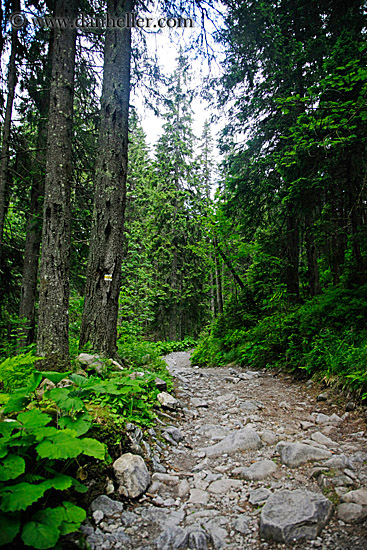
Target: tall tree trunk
(5, 146)
(218, 284)
(312, 267)
(28, 291)
(99, 321)
(53, 318)
(292, 256)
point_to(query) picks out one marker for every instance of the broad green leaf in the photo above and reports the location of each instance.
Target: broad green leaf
(22, 495)
(7, 428)
(92, 447)
(11, 467)
(34, 382)
(80, 426)
(60, 482)
(16, 403)
(40, 535)
(47, 431)
(64, 400)
(61, 445)
(34, 419)
(9, 528)
(73, 518)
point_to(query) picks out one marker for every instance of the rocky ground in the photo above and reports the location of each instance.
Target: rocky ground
(241, 460)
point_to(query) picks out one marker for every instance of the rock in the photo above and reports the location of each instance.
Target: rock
(116, 364)
(213, 431)
(173, 538)
(269, 438)
(98, 516)
(359, 496)
(257, 471)
(197, 402)
(226, 398)
(167, 401)
(161, 384)
(197, 540)
(350, 406)
(322, 397)
(198, 496)
(132, 475)
(222, 486)
(351, 512)
(137, 374)
(323, 439)
(242, 524)
(295, 454)
(90, 361)
(305, 425)
(294, 516)
(338, 462)
(259, 496)
(183, 488)
(251, 405)
(325, 419)
(174, 433)
(108, 506)
(240, 440)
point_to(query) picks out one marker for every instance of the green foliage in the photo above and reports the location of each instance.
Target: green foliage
(15, 371)
(163, 348)
(33, 452)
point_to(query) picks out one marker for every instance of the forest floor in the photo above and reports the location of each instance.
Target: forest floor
(230, 418)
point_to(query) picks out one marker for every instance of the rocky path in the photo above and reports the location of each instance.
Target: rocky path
(246, 459)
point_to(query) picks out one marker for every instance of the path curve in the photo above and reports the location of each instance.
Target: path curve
(208, 493)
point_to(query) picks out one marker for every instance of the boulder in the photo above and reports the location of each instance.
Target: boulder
(257, 471)
(90, 361)
(359, 496)
(350, 512)
(172, 538)
(106, 505)
(240, 440)
(294, 516)
(295, 454)
(167, 401)
(160, 384)
(132, 475)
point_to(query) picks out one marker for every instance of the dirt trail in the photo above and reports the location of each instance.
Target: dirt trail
(228, 419)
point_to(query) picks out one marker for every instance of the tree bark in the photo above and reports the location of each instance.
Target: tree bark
(5, 146)
(53, 319)
(99, 321)
(292, 257)
(28, 291)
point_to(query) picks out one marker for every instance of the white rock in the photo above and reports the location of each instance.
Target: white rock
(167, 400)
(132, 475)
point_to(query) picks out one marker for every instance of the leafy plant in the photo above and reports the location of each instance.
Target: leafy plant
(34, 453)
(16, 370)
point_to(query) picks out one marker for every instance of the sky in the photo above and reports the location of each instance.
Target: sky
(165, 44)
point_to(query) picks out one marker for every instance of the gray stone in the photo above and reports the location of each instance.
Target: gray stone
(295, 454)
(322, 397)
(108, 506)
(128, 519)
(173, 538)
(90, 361)
(240, 440)
(323, 439)
(222, 486)
(167, 401)
(269, 438)
(198, 496)
(351, 512)
(359, 496)
(213, 431)
(226, 398)
(259, 496)
(325, 419)
(257, 471)
(251, 405)
(161, 384)
(242, 524)
(294, 516)
(174, 433)
(132, 475)
(197, 402)
(339, 462)
(183, 488)
(198, 540)
(163, 517)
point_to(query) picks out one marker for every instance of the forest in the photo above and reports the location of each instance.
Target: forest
(248, 243)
